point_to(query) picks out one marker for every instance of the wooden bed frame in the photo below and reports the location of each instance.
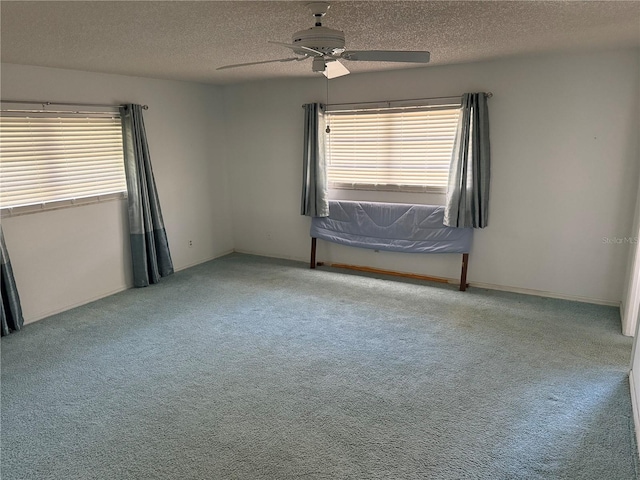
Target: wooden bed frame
(463, 274)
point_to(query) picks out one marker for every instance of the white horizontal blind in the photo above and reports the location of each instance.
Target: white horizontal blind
(54, 156)
(406, 149)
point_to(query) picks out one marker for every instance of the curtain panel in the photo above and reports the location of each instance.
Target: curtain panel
(315, 199)
(149, 245)
(11, 311)
(467, 203)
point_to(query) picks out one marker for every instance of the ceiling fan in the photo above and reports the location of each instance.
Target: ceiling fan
(325, 46)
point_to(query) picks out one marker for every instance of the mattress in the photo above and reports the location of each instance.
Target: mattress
(393, 227)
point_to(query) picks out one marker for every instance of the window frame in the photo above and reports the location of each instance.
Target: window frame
(401, 106)
(27, 110)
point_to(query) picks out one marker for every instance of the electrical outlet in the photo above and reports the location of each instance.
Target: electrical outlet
(190, 243)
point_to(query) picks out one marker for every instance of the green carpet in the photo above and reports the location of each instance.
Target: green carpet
(255, 368)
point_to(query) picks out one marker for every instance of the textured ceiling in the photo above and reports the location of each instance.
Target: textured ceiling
(189, 40)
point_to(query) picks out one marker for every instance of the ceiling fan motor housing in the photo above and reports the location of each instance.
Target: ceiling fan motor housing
(322, 39)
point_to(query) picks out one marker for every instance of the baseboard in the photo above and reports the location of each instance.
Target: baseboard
(542, 293)
(281, 257)
(44, 315)
(208, 259)
(636, 410)
(41, 315)
(456, 281)
(524, 291)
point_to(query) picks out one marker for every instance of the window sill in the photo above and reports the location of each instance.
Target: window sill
(45, 207)
(412, 198)
(389, 188)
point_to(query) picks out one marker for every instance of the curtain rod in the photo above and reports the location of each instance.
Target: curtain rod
(457, 97)
(68, 104)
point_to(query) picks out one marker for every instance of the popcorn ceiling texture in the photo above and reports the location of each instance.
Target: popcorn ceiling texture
(189, 40)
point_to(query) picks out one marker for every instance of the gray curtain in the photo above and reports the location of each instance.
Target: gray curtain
(470, 171)
(11, 312)
(315, 200)
(149, 245)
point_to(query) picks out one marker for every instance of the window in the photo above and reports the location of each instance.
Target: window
(52, 159)
(406, 148)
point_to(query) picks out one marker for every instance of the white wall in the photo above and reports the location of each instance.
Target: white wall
(67, 257)
(564, 172)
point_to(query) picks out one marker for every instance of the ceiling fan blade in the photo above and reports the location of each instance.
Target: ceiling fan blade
(335, 69)
(298, 48)
(259, 63)
(387, 56)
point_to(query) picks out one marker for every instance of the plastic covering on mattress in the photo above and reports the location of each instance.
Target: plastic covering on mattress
(396, 227)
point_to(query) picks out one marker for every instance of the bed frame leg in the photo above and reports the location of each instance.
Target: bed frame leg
(463, 275)
(313, 253)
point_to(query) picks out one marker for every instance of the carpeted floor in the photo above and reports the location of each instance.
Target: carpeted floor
(255, 368)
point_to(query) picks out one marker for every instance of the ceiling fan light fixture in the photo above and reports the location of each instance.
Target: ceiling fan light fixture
(334, 69)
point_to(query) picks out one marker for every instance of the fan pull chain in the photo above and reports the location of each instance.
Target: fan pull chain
(328, 129)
